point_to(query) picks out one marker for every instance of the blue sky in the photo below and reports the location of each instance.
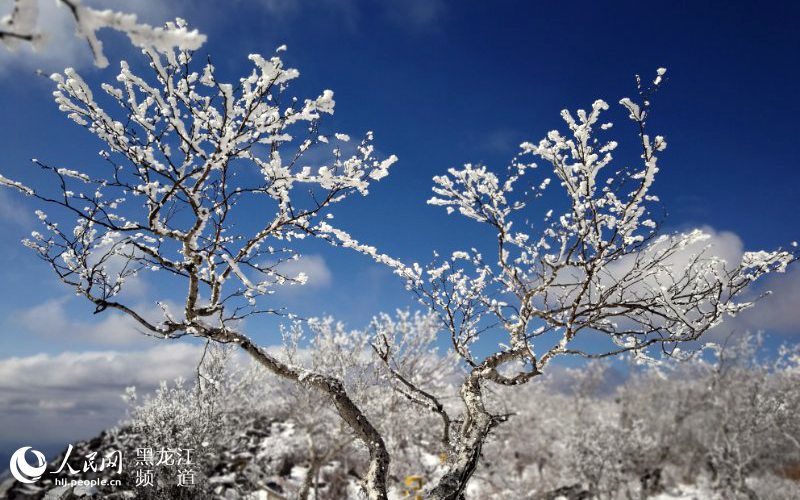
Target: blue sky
(441, 83)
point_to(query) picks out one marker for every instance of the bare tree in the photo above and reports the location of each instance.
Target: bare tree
(20, 27)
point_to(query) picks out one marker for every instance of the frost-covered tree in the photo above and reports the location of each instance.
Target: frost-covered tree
(411, 437)
(592, 264)
(20, 26)
(749, 415)
(249, 428)
(720, 423)
(187, 158)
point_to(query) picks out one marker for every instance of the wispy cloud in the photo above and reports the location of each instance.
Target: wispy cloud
(504, 141)
(415, 15)
(11, 211)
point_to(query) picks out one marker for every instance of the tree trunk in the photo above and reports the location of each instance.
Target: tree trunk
(374, 482)
(473, 433)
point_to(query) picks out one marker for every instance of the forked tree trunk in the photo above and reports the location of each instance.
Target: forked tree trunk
(472, 435)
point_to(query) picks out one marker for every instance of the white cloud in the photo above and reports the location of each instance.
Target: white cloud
(283, 8)
(778, 312)
(723, 244)
(78, 370)
(68, 320)
(62, 397)
(775, 313)
(51, 319)
(59, 48)
(313, 266)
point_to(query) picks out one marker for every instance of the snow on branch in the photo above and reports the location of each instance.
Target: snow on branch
(211, 184)
(20, 26)
(592, 265)
(598, 266)
(184, 154)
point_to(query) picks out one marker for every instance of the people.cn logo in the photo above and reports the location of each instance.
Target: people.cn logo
(22, 470)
